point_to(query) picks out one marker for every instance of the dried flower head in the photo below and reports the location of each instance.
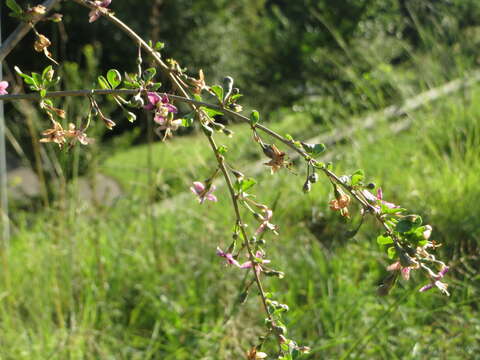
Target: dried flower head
(253, 354)
(55, 134)
(41, 43)
(75, 135)
(198, 84)
(277, 157)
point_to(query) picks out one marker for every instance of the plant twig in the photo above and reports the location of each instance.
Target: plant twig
(23, 29)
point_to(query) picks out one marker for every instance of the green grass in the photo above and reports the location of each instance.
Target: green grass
(132, 282)
(172, 166)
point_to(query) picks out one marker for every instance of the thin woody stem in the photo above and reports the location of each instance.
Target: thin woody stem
(177, 84)
(239, 220)
(332, 176)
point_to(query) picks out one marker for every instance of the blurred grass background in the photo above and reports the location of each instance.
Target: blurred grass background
(136, 277)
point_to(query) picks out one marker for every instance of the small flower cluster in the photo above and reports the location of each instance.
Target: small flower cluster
(163, 113)
(61, 137)
(257, 264)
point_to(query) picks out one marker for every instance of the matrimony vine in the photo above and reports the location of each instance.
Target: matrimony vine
(405, 239)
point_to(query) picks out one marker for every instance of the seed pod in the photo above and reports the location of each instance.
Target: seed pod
(218, 126)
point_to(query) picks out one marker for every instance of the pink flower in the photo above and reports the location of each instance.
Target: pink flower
(404, 270)
(266, 222)
(437, 283)
(378, 199)
(101, 7)
(228, 257)
(203, 193)
(258, 268)
(162, 107)
(3, 86)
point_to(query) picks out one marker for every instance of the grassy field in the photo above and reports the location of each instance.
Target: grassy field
(138, 280)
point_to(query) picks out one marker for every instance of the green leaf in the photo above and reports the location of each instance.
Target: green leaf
(247, 183)
(131, 85)
(386, 210)
(254, 117)
(211, 112)
(37, 78)
(149, 74)
(357, 177)
(114, 78)
(384, 240)
(391, 252)
(218, 91)
(155, 86)
(43, 92)
(408, 223)
(188, 119)
(404, 226)
(233, 98)
(27, 79)
(159, 45)
(17, 9)
(103, 83)
(222, 149)
(314, 149)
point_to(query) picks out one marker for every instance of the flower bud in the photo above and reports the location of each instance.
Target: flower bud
(207, 130)
(137, 101)
(108, 123)
(130, 116)
(56, 18)
(236, 107)
(227, 132)
(37, 10)
(238, 174)
(218, 126)
(304, 349)
(427, 232)
(235, 91)
(307, 186)
(313, 178)
(49, 74)
(274, 273)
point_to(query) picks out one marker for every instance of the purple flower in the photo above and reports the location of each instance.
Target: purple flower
(95, 13)
(228, 257)
(437, 283)
(162, 107)
(404, 270)
(378, 199)
(3, 86)
(258, 268)
(203, 193)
